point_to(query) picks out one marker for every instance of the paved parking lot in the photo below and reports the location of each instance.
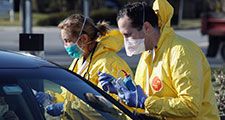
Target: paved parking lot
(55, 52)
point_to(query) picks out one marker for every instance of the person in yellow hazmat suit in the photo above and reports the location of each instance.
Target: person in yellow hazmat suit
(94, 49)
(173, 77)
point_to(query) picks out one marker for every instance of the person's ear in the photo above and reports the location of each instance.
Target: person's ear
(147, 27)
(84, 38)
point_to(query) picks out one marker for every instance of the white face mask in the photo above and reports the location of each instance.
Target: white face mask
(134, 46)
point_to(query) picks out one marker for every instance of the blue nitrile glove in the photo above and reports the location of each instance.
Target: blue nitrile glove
(129, 97)
(41, 97)
(55, 109)
(129, 83)
(105, 81)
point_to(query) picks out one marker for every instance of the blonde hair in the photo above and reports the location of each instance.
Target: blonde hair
(73, 25)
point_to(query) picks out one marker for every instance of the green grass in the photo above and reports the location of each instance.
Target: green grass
(38, 16)
(17, 22)
(185, 23)
(6, 22)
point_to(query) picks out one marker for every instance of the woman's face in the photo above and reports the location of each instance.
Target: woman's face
(83, 41)
(67, 37)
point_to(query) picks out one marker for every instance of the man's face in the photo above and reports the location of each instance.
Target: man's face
(127, 30)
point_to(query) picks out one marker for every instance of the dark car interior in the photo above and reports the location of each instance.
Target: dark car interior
(12, 95)
(19, 105)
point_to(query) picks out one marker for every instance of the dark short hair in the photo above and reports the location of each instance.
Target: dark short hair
(135, 12)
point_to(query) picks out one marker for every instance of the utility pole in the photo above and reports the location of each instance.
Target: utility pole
(86, 7)
(27, 15)
(30, 43)
(11, 12)
(180, 14)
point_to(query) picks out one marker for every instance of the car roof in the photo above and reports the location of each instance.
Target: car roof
(12, 59)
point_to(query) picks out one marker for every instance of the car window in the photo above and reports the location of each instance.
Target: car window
(81, 89)
(77, 108)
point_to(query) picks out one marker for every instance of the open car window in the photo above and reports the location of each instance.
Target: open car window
(94, 107)
(88, 95)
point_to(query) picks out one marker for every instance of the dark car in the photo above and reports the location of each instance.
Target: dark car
(21, 74)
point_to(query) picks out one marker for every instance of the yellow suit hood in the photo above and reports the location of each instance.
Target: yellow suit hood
(164, 12)
(112, 41)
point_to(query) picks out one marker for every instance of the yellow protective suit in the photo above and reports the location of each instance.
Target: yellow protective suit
(177, 78)
(105, 60)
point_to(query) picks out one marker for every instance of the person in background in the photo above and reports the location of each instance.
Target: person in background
(173, 76)
(94, 49)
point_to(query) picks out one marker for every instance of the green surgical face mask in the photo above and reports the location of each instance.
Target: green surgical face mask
(74, 51)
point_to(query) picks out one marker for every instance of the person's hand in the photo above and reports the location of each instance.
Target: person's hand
(55, 109)
(105, 82)
(134, 98)
(41, 97)
(129, 83)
